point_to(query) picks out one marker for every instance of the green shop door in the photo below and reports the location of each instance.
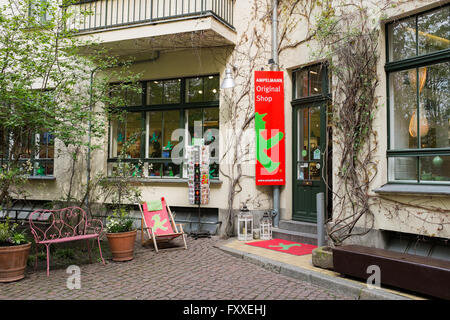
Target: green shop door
(309, 124)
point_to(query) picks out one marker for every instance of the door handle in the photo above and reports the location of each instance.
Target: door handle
(307, 183)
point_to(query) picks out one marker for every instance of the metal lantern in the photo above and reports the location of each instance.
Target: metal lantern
(265, 227)
(245, 224)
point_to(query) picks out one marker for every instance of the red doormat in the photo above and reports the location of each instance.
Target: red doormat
(281, 245)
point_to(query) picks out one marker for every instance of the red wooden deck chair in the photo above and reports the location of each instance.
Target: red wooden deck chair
(158, 222)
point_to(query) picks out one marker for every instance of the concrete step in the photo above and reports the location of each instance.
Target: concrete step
(303, 237)
(298, 226)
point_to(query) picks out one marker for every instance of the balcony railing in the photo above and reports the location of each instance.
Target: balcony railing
(91, 15)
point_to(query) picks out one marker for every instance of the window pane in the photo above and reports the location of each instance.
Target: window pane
(211, 131)
(171, 170)
(214, 171)
(403, 102)
(314, 172)
(172, 91)
(123, 132)
(171, 123)
(303, 129)
(155, 134)
(134, 95)
(210, 122)
(154, 92)
(154, 169)
(315, 82)
(301, 82)
(46, 145)
(195, 115)
(402, 36)
(211, 88)
(403, 169)
(194, 90)
(126, 95)
(434, 30)
(435, 168)
(302, 171)
(435, 105)
(314, 133)
(26, 144)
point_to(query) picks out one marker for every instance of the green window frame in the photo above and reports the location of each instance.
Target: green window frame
(418, 113)
(165, 104)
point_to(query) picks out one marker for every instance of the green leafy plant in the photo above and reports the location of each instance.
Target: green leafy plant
(119, 221)
(9, 236)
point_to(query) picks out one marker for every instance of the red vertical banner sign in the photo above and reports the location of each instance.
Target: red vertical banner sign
(269, 125)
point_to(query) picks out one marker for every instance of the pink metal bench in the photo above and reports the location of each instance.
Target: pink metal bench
(64, 225)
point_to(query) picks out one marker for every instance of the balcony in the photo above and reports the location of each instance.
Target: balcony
(115, 21)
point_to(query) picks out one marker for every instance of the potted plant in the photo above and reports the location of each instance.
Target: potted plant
(121, 235)
(14, 250)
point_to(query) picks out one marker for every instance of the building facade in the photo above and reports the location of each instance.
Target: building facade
(181, 50)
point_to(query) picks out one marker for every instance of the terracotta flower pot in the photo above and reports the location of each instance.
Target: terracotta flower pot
(13, 262)
(122, 245)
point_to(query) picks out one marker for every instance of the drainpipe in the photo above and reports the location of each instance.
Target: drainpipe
(274, 67)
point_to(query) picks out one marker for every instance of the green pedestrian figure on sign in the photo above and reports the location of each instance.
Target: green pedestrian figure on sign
(263, 144)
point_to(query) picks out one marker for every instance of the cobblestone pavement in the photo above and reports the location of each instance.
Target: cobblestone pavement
(201, 272)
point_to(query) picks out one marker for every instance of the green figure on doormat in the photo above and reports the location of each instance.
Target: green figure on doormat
(286, 247)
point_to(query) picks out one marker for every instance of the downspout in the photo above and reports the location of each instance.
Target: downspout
(274, 67)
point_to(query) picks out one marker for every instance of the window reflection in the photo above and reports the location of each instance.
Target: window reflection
(127, 132)
(435, 102)
(308, 81)
(435, 168)
(434, 31)
(402, 37)
(202, 89)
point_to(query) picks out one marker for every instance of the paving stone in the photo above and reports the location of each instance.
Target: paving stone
(203, 272)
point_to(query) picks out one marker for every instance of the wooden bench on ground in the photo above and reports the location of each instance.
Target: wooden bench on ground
(420, 274)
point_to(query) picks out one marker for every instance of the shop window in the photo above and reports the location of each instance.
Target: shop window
(153, 129)
(418, 73)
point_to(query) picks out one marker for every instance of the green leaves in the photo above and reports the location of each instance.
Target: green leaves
(119, 221)
(48, 81)
(9, 235)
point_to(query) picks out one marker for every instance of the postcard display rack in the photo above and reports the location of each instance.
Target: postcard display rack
(198, 181)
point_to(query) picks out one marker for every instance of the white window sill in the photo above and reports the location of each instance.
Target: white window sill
(41, 177)
(414, 189)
